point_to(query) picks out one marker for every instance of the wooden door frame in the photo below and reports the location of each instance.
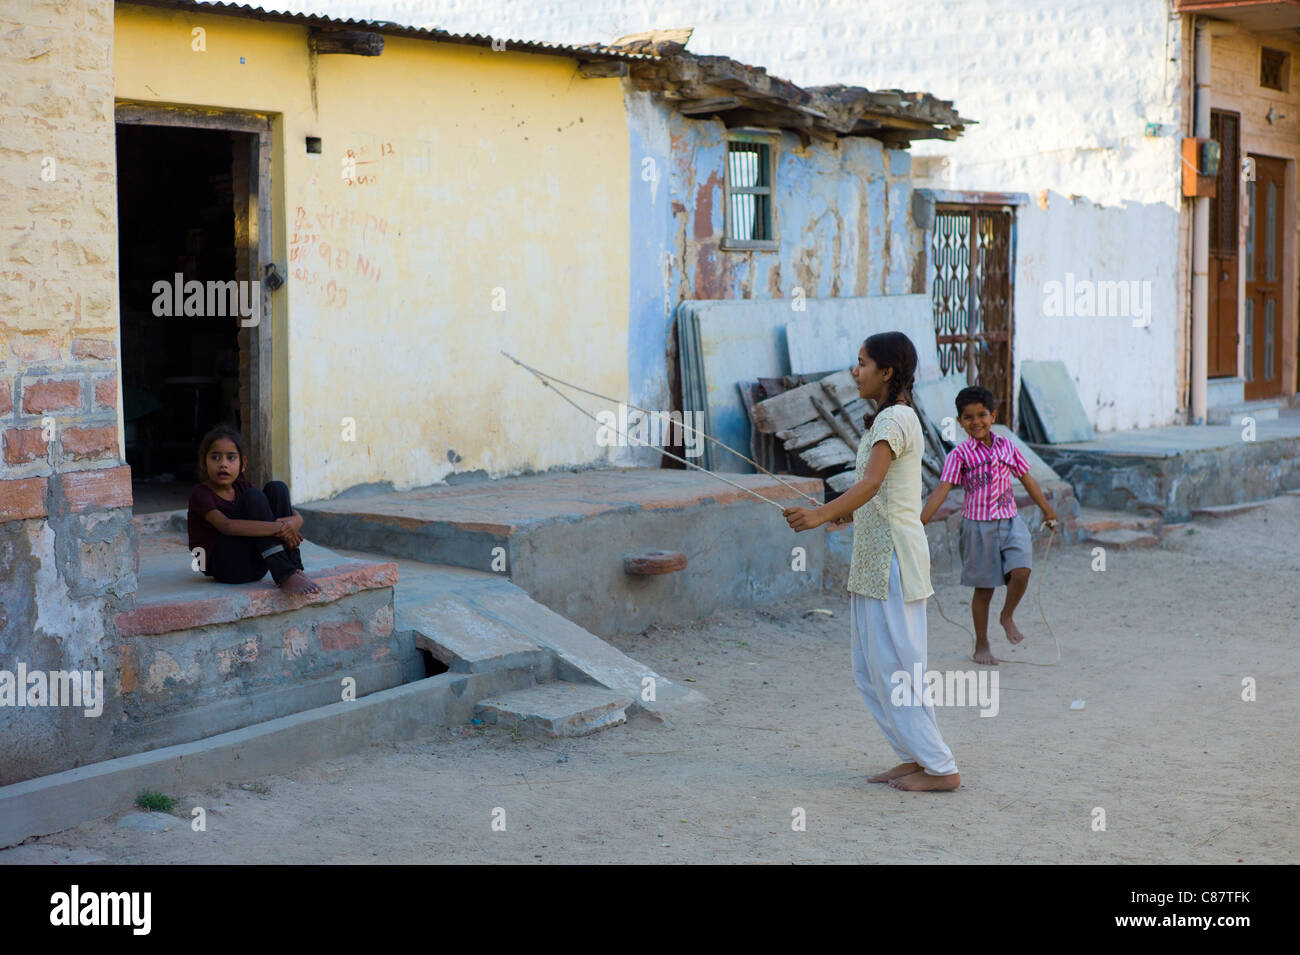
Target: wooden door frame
(257, 430)
(1240, 246)
(1285, 317)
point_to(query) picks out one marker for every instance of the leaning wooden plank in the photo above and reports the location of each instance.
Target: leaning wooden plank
(793, 408)
(808, 434)
(840, 428)
(838, 407)
(839, 483)
(831, 453)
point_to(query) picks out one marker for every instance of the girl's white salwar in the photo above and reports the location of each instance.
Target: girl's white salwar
(889, 637)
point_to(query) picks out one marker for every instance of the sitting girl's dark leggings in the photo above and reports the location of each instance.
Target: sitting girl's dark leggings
(242, 560)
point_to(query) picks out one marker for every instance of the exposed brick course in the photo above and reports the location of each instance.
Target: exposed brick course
(22, 445)
(103, 487)
(83, 443)
(49, 395)
(22, 500)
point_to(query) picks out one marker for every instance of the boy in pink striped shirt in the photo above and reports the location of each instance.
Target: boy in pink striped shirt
(995, 544)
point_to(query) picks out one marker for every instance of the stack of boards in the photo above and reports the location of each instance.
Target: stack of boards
(726, 348)
(820, 423)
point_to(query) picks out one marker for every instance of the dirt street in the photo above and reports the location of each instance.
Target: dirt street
(1157, 646)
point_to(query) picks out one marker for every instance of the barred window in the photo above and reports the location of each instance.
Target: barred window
(749, 195)
(1274, 69)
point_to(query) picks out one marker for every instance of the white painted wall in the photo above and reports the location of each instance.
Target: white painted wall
(1062, 92)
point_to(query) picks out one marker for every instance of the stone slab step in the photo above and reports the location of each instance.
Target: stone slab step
(1122, 539)
(553, 710)
(1227, 510)
(579, 651)
(1234, 413)
(490, 623)
(463, 638)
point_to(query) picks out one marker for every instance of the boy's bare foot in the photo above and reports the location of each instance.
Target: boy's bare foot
(902, 769)
(924, 782)
(985, 656)
(1014, 635)
(299, 583)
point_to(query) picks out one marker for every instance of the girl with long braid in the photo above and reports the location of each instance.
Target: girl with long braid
(889, 575)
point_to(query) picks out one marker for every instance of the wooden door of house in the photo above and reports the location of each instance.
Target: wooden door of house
(972, 248)
(1264, 279)
(1224, 218)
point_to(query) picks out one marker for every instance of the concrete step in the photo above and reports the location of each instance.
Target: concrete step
(1122, 539)
(196, 658)
(1220, 392)
(1227, 510)
(553, 710)
(478, 622)
(1233, 414)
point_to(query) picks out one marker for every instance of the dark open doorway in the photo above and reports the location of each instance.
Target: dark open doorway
(193, 335)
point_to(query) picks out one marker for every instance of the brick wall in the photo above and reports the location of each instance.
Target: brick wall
(58, 300)
(68, 551)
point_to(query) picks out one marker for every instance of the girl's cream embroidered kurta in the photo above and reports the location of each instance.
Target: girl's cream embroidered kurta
(891, 521)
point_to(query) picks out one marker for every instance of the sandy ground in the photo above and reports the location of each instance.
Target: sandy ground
(1157, 645)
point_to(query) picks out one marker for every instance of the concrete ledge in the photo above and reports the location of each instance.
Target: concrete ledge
(1175, 470)
(740, 551)
(49, 803)
(241, 601)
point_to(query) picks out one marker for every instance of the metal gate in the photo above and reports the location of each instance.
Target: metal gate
(972, 248)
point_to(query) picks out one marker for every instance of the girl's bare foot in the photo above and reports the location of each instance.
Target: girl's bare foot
(924, 782)
(902, 769)
(984, 655)
(1014, 635)
(299, 583)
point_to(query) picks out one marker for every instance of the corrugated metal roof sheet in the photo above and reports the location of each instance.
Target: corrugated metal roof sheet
(592, 51)
(837, 110)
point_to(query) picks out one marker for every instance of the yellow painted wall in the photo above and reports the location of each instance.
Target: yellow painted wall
(476, 171)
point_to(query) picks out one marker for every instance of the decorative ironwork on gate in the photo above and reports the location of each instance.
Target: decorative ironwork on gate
(971, 250)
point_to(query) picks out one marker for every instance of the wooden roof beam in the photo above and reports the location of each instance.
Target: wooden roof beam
(355, 42)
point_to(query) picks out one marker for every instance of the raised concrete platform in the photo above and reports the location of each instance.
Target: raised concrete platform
(197, 658)
(1174, 470)
(524, 662)
(563, 537)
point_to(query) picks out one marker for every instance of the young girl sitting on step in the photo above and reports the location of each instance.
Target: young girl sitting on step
(243, 532)
(889, 575)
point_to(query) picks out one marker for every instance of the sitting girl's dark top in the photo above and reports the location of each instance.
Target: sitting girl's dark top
(204, 499)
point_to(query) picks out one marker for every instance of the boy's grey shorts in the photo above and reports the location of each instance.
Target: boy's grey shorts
(990, 550)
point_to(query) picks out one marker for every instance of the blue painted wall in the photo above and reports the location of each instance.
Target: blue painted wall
(842, 215)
